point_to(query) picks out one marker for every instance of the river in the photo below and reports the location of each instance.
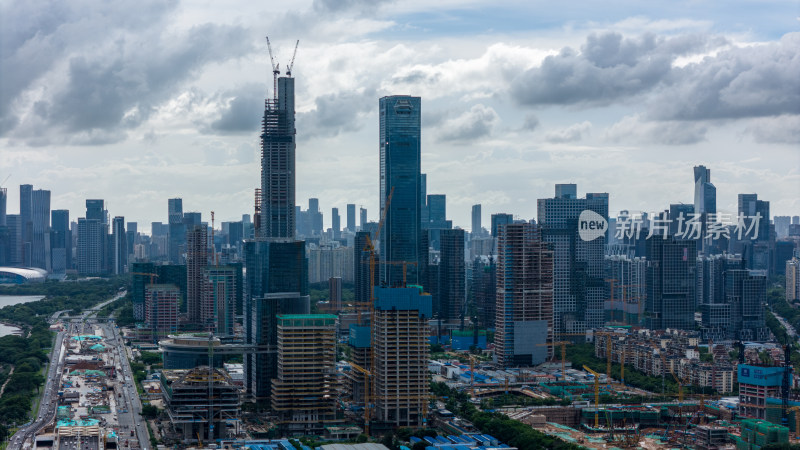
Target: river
(7, 300)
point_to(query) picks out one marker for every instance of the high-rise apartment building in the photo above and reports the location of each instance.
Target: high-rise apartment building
(351, 217)
(524, 312)
(400, 168)
(278, 147)
(792, 280)
(476, 221)
(196, 262)
(335, 293)
(218, 299)
(400, 344)
(671, 283)
(120, 248)
(305, 388)
(484, 289)
(579, 288)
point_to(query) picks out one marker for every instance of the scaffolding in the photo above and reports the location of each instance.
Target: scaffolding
(189, 403)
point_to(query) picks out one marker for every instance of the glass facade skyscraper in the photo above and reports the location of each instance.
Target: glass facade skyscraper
(400, 165)
(278, 163)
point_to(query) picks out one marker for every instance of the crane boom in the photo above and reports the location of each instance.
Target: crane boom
(275, 71)
(291, 63)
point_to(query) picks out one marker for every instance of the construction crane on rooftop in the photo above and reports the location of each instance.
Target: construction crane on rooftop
(291, 64)
(276, 70)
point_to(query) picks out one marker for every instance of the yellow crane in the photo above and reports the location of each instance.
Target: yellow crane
(563, 345)
(596, 396)
(367, 406)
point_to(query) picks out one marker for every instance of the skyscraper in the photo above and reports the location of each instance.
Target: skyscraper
(400, 164)
(3, 206)
(351, 217)
(451, 293)
(218, 299)
(40, 229)
(671, 283)
(579, 289)
(498, 220)
(25, 217)
(362, 217)
(278, 163)
(161, 309)
(361, 273)
(705, 201)
(177, 230)
(476, 220)
(120, 238)
(60, 240)
(95, 210)
(196, 262)
(524, 313)
(336, 223)
(90, 246)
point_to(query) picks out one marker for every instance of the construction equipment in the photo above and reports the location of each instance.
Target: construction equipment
(563, 345)
(291, 64)
(367, 405)
(275, 72)
(151, 275)
(596, 395)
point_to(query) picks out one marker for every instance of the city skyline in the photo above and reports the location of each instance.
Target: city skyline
(488, 136)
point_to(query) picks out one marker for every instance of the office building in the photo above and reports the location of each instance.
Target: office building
(351, 217)
(524, 312)
(705, 201)
(671, 283)
(142, 274)
(95, 210)
(196, 262)
(161, 309)
(450, 297)
(336, 223)
(3, 205)
(177, 231)
(60, 239)
(26, 222)
(11, 240)
(400, 343)
(500, 219)
(718, 317)
(758, 246)
(305, 389)
(132, 233)
(627, 286)
(362, 212)
(278, 147)
(361, 269)
(90, 246)
(476, 221)
(400, 159)
(276, 283)
(120, 247)
(579, 288)
(335, 293)
(40, 229)
(676, 211)
(484, 289)
(746, 292)
(218, 299)
(781, 225)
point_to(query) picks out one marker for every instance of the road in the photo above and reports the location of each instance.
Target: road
(786, 325)
(49, 401)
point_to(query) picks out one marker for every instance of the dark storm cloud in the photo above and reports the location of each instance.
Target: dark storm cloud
(338, 112)
(244, 108)
(106, 72)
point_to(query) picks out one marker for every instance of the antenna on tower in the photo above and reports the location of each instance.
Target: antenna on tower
(291, 64)
(275, 71)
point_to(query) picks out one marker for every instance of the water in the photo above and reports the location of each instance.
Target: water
(7, 300)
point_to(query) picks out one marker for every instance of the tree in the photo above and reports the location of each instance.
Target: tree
(150, 411)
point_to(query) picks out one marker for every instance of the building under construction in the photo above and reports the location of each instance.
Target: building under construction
(400, 346)
(200, 403)
(304, 393)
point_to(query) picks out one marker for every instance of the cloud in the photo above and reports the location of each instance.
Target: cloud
(609, 68)
(241, 111)
(531, 122)
(339, 112)
(474, 124)
(783, 129)
(572, 133)
(634, 129)
(87, 87)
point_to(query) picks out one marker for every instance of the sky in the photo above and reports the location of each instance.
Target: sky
(138, 102)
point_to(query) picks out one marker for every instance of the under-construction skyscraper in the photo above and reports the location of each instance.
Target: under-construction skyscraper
(277, 163)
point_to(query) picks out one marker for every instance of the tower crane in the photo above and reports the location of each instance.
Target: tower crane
(291, 64)
(563, 345)
(276, 70)
(596, 396)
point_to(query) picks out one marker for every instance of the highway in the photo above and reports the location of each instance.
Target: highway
(24, 436)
